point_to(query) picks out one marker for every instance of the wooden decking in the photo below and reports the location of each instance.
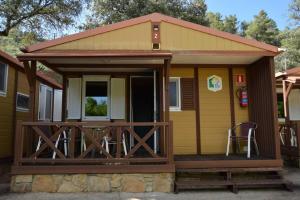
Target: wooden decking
(230, 178)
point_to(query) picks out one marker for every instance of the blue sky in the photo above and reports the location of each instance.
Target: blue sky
(246, 9)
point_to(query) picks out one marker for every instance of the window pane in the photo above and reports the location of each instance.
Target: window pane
(2, 76)
(22, 101)
(173, 93)
(96, 98)
(48, 109)
(280, 105)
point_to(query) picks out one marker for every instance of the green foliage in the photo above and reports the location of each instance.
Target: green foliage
(264, 29)
(215, 20)
(16, 40)
(231, 24)
(290, 40)
(294, 9)
(108, 12)
(92, 108)
(39, 16)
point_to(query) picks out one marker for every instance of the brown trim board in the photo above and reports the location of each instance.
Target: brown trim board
(197, 110)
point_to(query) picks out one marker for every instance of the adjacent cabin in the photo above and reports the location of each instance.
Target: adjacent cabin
(14, 100)
(145, 99)
(288, 98)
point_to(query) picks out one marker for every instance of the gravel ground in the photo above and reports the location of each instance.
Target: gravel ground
(257, 194)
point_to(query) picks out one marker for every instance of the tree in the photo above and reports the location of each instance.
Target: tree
(36, 15)
(215, 20)
(243, 28)
(108, 12)
(290, 40)
(294, 9)
(231, 24)
(264, 29)
(16, 40)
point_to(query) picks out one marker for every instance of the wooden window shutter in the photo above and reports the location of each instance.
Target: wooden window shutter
(187, 94)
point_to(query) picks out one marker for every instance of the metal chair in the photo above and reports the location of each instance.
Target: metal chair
(246, 133)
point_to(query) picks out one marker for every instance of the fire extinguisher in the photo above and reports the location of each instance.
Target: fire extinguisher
(243, 96)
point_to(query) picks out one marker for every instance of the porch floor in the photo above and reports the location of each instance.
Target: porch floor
(209, 157)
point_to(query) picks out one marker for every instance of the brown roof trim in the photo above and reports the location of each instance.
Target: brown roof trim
(154, 17)
(4, 57)
(10, 60)
(104, 54)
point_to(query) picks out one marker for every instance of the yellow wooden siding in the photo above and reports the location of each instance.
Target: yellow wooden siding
(241, 114)
(214, 112)
(182, 72)
(184, 132)
(174, 37)
(6, 116)
(184, 122)
(137, 37)
(23, 87)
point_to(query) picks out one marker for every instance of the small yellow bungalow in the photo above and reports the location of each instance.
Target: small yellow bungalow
(145, 100)
(14, 100)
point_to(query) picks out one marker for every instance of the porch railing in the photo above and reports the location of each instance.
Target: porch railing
(89, 143)
(289, 138)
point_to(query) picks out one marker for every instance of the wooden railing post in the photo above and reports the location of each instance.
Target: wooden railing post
(118, 132)
(72, 142)
(18, 143)
(170, 141)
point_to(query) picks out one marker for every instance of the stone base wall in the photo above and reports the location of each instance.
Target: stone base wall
(158, 182)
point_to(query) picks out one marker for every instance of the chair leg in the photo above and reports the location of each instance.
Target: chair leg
(249, 147)
(124, 146)
(56, 145)
(228, 142)
(65, 143)
(256, 146)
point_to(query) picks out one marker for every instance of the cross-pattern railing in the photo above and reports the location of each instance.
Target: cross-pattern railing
(74, 143)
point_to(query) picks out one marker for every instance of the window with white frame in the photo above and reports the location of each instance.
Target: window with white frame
(3, 79)
(45, 103)
(22, 103)
(174, 92)
(96, 98)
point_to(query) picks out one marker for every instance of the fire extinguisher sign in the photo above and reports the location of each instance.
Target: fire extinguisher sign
(240, 80)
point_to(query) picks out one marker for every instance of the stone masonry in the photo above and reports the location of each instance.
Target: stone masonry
(158, 182)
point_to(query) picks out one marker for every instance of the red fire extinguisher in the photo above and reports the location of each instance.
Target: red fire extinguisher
(243, 96)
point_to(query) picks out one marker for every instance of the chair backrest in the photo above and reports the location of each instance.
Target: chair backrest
(245, 126)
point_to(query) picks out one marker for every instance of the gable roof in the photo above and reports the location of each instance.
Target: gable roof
(154, 17)
(4, 57)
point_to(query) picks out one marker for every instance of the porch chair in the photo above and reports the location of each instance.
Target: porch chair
(246, 133)
(61, 137)
(110, 140)
(293, 138)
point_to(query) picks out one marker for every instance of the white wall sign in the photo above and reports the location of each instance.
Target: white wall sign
(214, 83)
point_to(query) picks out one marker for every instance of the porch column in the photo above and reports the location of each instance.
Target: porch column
(30, 70)
(64, 98)
(167, 64)
(286, 91)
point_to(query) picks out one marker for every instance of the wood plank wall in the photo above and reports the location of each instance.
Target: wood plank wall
(262, 105)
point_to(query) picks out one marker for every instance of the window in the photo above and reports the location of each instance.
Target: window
(22, 102)
(3, 79)
(45, 103)
(174, 90)
(95, 98)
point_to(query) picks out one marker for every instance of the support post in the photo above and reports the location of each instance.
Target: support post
(167, 64)
(30, 70)
(64, 99)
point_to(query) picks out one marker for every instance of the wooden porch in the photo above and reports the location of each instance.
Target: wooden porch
(63, 151)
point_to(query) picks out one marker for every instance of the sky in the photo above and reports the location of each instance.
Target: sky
(246, 9)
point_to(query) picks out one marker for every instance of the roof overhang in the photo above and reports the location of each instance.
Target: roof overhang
(90, 60)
